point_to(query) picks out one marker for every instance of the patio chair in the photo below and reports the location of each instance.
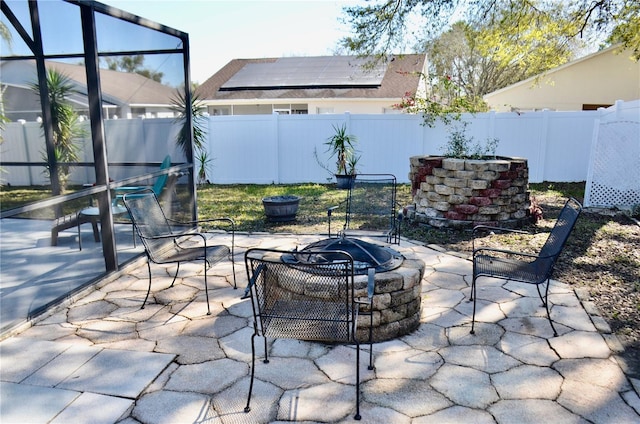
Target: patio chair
(524, 267)
(371, 208)
(169, 241)
(310, 299)
(157, 187)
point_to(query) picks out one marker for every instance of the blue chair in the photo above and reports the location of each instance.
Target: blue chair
(157, 187)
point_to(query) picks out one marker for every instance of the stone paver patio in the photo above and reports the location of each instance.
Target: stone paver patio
(104, 360)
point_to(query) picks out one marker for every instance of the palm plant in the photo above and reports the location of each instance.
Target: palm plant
(198, 109)
(183, 139)
(65, 123)
(342, 146)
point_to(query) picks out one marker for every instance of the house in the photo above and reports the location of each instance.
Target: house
(594, 81)
(124, 94)
(311, 85)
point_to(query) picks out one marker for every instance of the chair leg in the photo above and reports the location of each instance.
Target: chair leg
(206, 287)
(266, 352)
(233, 269)
(546, 306)
(149, 288)
(357, 416)
(473, 299)
(371, 338)
(247, 408)
(176, 275)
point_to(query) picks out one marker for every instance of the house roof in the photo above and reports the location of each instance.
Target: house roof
(117, 87)
(314, 77)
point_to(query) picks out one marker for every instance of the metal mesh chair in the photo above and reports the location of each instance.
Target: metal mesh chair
(524, 267)
(309, 300)
(164, 244)
(371, 208)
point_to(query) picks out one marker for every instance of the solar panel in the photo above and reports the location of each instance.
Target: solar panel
(321, 71)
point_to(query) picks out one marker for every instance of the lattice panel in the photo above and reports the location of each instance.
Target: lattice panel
(614, 171)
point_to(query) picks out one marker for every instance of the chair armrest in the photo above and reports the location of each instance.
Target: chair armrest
(489, 250)
(490, 228)
(198, 223)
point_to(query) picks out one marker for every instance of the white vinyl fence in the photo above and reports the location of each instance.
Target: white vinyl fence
(265, 149)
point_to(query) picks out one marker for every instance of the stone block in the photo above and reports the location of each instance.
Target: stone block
(501, 184)
(426, 187)
(443, 189)
(465, 174)
(476, 165)
(520, 182)
(432, 213)
(502, 200)
(520, 198)
(491, 193)
(499, 165)
(489, 210)
(441, 206)
(455, 182)
(466, 209)
(479, 184)
(465, 191)
(453, 164)
(456, 199)
(480, 201)
(488, 175)
(432, 196)
(441, 172)
(453, 215)
(433, 180)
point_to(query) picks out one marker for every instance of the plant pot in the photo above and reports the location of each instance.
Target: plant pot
(344, 182)
(281, 208)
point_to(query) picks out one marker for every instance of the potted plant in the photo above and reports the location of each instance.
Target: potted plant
(342, 146)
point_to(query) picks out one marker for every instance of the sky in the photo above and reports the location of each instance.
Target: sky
(220, 31)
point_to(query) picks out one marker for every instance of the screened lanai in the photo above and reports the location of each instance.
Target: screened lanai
(93, 100)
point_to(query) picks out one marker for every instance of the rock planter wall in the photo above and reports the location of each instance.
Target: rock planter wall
(461, 193)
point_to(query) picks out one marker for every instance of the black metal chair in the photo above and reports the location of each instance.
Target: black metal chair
(524, 267)
(169, 241)
(371, 208)
(310, 299)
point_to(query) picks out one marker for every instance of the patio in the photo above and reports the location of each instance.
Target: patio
(170, 362)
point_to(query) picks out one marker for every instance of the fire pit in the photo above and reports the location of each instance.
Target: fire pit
(396, 300)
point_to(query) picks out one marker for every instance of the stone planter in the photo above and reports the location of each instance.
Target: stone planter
(281, 208)
(462, 193)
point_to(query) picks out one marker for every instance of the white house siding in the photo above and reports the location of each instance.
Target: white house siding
(599, 79)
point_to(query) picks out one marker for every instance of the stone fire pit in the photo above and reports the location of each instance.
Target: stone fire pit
(398, 282)
(462, 193)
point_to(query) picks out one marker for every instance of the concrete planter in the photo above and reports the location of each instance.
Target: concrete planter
(281, 208)
(462, 193)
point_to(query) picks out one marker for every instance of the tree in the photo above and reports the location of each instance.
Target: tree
(65, 122)
(381, 27)
(487, 56)
(133, 64)
(181, 108)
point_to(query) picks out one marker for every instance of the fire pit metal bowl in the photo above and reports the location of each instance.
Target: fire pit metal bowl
(365, 255)
(398, 278)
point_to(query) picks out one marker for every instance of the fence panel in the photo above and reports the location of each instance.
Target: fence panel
(265, 149)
